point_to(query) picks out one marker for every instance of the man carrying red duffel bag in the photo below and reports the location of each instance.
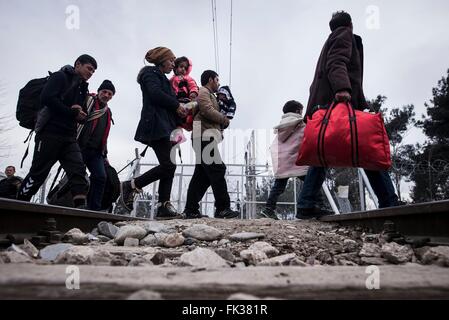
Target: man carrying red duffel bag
(339, 78)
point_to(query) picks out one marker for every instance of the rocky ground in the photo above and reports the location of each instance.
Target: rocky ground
(211, 243)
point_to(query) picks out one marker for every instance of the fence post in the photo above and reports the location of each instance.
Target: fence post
(361, 191)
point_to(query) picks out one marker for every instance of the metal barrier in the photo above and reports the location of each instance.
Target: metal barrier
(242, 197)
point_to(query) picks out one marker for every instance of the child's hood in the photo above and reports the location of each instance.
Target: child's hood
(288, 120)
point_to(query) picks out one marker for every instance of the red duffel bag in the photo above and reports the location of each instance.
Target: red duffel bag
(341, 137)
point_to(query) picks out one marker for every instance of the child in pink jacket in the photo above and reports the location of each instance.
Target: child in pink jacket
(182, 83)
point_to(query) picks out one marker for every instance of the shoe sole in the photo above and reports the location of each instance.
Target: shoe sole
(262, 215)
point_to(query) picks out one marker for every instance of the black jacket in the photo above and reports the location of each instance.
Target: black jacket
(63, 90)
(158, 117)
(340, 67)
(9, 187)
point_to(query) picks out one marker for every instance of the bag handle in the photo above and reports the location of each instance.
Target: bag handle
(353, 129)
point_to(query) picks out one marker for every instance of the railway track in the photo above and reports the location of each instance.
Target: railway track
(19, 220)
(417, 221)
(427, 222)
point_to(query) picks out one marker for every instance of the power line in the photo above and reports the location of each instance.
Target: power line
(230, 48)
(215, 30)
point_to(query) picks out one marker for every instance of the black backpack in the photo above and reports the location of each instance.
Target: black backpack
(29, 102)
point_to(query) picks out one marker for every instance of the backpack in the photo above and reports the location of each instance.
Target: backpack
(29, 102)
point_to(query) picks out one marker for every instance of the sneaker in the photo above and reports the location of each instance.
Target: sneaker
(310, 213)
(188, 214)
(167, 211)
(268, 213)
(226, 214)
(127, 194)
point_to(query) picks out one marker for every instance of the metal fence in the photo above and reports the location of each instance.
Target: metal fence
(241, 180)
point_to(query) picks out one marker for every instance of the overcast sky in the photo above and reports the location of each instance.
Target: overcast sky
(276, 45)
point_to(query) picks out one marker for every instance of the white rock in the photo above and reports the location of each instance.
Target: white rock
(149, 240)
(253, 257)
(278, 261)
(397, 254)
(173, 240)
(84, 255)
(203, 232)
(51, 252)
(131, 242)
(129, 231)
(107, 229)
(76, 236)
(437, 255)
(202, 258)
(14, 257)
(370, 250)
(101, 258)
(269, 250)
(14, 248)
(243, 236)
(224, 242)
(30, 249)
(157, 227)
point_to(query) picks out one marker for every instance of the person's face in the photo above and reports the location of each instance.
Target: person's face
(9, 171)
(85, 71)
(222, 97)
(167, 66)
(214, 84)
(105, 95)
(182, 69)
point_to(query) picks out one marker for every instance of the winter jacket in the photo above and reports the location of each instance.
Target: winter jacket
(63, 90)
(95, 132)
(340, 67)
(208, 115)
(227, 106)
(158, 117)
(284, 149)
(9, 187)
(183, 86)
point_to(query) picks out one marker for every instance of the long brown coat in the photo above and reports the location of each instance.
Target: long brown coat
(340, 67)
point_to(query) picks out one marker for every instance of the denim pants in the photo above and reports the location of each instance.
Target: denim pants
(380, 182)
(94, 161)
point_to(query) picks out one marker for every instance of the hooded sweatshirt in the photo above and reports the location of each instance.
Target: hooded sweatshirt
(286, 145)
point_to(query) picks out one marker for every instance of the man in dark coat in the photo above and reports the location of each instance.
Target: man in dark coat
(93, 142)
(63, 98)
(11, 184)
(161, 113)
(339, 77)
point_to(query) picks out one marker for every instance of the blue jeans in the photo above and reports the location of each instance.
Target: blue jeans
(380, 182)
(95, 163)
